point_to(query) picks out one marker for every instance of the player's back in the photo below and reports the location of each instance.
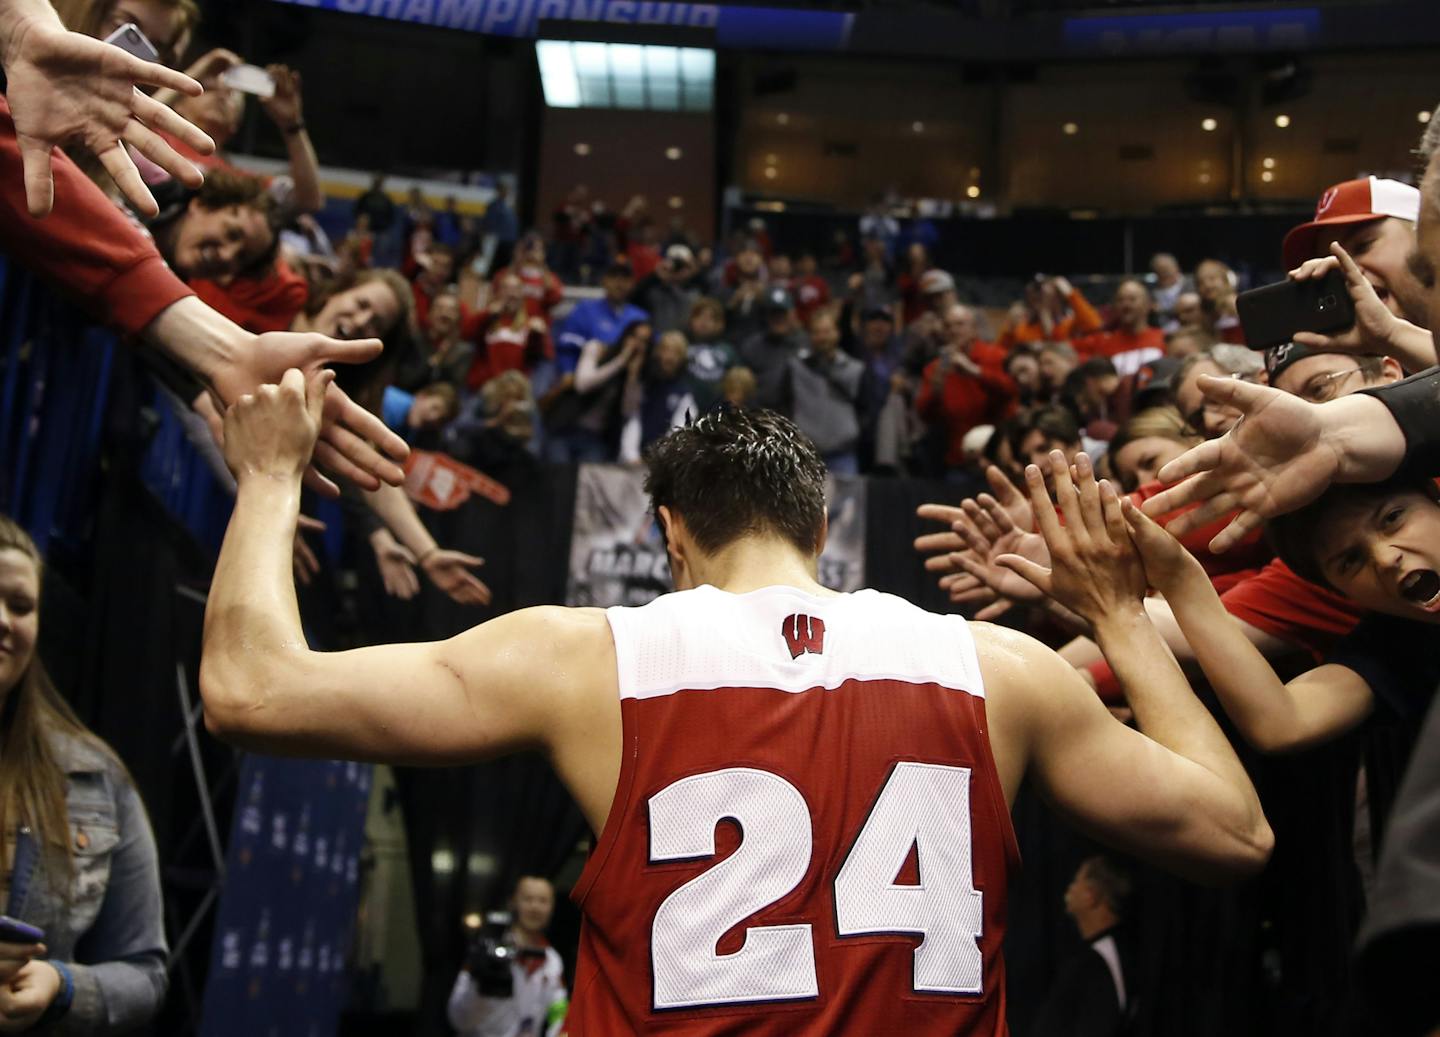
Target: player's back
(808, 836)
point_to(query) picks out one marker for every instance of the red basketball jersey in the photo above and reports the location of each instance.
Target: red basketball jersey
(808, 836)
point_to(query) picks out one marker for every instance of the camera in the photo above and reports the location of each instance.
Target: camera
(490, 955)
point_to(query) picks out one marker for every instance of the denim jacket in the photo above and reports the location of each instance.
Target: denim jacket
(108, 934)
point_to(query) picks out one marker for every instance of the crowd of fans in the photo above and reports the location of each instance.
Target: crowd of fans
(497, 340)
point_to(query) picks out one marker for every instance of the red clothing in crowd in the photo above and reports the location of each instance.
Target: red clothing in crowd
(259, 304)
(1084, 319)
(542, 289)
(422, 303)
(1224, 570)
(504, 344)
(643, 259)
(966, 400)
(1128, 350)
(86, 247)
(810, 294)
(911, 301)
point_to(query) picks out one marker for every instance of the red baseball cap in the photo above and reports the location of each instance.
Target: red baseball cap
(1354, 201)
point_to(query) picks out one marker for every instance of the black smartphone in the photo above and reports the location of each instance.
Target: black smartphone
(12, 930)
(1273, 314)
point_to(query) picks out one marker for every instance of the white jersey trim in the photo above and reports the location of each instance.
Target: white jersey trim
(710, 640)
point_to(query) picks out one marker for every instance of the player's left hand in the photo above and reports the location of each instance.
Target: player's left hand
(1094, 570)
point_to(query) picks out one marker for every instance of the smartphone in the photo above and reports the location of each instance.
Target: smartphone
(12, 930)
(1273, 314)
(252, 79)
(131, 40)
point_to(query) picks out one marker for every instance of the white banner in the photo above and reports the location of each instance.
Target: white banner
(617, 556)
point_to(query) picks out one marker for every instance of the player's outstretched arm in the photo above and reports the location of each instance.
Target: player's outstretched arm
(502, 686)
(1176, 793)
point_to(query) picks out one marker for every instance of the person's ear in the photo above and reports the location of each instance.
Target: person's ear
(824, 533)
(673, 525)
(1390, 370)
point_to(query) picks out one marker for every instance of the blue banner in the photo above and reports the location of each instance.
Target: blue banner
(1294, 28)
(752, 27)
(282, 933)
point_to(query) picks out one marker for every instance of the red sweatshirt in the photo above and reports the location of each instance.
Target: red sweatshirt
(964, 400)
(86, 247)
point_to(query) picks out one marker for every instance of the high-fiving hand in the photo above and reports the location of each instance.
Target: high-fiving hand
(64, 87)
(1095, 570)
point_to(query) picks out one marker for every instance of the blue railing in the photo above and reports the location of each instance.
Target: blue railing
(54, 383)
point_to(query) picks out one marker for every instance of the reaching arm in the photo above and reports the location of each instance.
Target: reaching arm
(1173, 792)
(1316, 707)
(591, 373)
(286, 110)
(484, 692)
(448, 570)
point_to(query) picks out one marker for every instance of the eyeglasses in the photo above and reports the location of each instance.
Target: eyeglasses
(1195, 420)
(1324, 388)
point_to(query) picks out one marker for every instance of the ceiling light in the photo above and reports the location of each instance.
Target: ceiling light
(673, 153)
(1267, 176)
(1282, 121)
(1209, 125)
(676, 202)
(1269, 163)
(626, 75)
(1070, 129)
(783, 119)
(772, 158)
(974, 172)
(771, 173)
(973, 191)
(1422, 117)
(918, 126)
(582, 148)
(1204, 178)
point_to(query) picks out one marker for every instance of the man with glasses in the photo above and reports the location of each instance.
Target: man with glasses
(1317, 376)
(1205, 417)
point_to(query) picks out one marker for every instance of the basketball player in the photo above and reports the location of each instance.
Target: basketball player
(801, 798)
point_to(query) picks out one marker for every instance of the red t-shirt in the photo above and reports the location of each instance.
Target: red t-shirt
(259, 304)
(504, 345)
(810, 293)
(1249, 555)
(86, 247)
(1293, 609)
(542, 289)
(809, 836)
(967, 400)
(1128, 350)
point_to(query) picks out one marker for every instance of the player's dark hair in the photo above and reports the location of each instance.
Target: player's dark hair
(1295, 537)
(1111, 880)
(735, 473)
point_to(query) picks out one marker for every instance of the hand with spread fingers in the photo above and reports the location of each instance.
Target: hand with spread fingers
(989, 532)
(396, 564)
(450, 572)
(1095, 570)
(66, 88)
(1280, 456)
(940, 547)
(354, 443)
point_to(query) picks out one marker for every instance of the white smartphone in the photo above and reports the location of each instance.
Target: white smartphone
(252, 79)
(131, 40)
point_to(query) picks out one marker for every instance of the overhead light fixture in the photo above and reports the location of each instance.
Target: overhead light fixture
(783, 118)
(772, 158)
(673, 153)
(917, 126)
(1267, 176)
(1269, 163)
(1204, 178)
(626, 75)
(1422, 117)
(771, 173)
(676, 202)
(473, 920)
(1070, 129)
(973, 191)
(582, 149)
(974, 172)
(1209, 125)
(1282, 121)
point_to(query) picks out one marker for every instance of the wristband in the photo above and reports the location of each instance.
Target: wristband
(58, 1008)
(1414, 403)
(291, 131)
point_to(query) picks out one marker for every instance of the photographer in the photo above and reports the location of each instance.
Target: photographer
(513, 984)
